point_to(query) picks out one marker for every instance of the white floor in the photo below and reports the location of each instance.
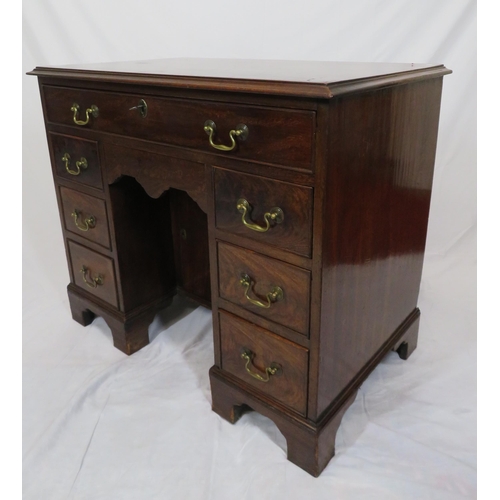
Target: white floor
(101, 425)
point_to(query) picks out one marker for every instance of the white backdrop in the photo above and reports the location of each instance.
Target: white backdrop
(100, 425)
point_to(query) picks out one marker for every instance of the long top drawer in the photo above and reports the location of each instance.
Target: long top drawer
(272, 135)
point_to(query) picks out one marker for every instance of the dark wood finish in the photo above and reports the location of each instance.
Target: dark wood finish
(87, 206)
(293, 234)
(96, 264)
(320, 207)
(129, 331)
(77, 149)
(378, 197)
(345, 149)
(190, 235)
(408, 330)
(408, 342)
(291, 311)
(250, 316)
(310, 445)
(277, 172)
(313, 79)
(157, 173)
(289, 384)
(212, 250)
(282, 254)
(144, 244)
(275, 136)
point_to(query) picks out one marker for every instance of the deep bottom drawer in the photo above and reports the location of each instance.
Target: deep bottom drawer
(93, 272)
(270, 363)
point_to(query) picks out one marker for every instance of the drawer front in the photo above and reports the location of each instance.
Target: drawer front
(289, 228)
(262, 350)
(278, 136)
(93, 272)
(86, 216)
(250, 280)
(76, 159)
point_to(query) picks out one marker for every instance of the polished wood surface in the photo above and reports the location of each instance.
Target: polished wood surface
(346, 150)
(275, 136)
(291, 311)
(129, 330)
(375, 232)
(310, 445)
(157, 173)
(86, 207)
(318, 79)
(289, 384)
(77, 149)
(97, 265)
(293, 233)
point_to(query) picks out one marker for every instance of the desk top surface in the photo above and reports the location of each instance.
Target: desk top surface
(322, 79)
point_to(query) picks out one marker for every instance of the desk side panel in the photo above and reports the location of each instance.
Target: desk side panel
(378, 190)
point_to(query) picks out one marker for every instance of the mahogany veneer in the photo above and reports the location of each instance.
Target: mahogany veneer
(313, 278)
(89, 220)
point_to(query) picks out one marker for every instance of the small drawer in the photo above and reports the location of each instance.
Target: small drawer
(264, 286)
(271, 364)
(272, 212)
(271, 135)
(76, 159)
(93, 272)
(86, 216)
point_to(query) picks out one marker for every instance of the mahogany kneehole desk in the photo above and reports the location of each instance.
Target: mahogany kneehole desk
(290, 197)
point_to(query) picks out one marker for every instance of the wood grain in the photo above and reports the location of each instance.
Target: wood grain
(293, 234)
(129, 330)
(77, 148)
(87, 206)
(313, 79)
(380, 172)
(346, 150)
(310, 445)
(96, 264)
(289, 385)
(277, 136)
(265, 273)
(156, 173)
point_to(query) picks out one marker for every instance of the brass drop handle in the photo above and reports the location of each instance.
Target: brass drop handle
(241, 132)
(93, 110)
(88, 223)
(274, 295)
(275, 215)
(81, 164)
(248, 355)
(94, 282)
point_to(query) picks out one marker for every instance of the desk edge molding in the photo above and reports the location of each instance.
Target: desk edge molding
(274, 87)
